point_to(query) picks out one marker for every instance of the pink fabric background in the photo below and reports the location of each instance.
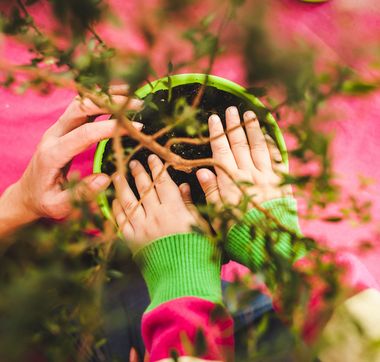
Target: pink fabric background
(24, 118)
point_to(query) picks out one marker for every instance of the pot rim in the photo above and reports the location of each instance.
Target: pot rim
(182, 79)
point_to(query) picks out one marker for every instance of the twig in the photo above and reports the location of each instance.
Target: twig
(96, 35)
(223, 23)
(203, 140)
(26, 13)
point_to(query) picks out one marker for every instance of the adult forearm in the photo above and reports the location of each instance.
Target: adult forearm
(13, 211)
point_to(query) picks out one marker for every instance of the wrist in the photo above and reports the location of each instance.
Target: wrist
(181, 265)
(249, 242)
(25, 207)
(14, 211)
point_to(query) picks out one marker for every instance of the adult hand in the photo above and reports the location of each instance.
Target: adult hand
(40, 191)
(248, 156)
(162, 210)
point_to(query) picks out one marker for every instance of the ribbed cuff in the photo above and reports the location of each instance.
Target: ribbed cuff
(246, 241)
(181, 265)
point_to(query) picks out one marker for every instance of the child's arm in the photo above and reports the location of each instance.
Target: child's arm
(254, 158)
(186, 317)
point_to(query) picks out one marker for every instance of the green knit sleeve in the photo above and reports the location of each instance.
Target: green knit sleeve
(246, 241)
(181, 265)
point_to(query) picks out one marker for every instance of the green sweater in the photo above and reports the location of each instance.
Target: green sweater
(247, 241)
(189, 260)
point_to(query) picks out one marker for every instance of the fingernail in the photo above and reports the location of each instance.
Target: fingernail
(233, 111)
(184, 188)
(136, 103)
(100, 180)
(137, 125)
(214, 118)
(119, 87)
(132, 164)
(203, 176)
(250, 115)
(152, 157)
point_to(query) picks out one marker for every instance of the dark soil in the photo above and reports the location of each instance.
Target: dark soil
(214, 101)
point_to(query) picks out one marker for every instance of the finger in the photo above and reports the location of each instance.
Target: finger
(90, 186)
(122, 220)
(86, 190)
(257, 143)
(146, 357)
(167, 190)
(133, 356)
(278, 165)
(119, 89)
(221, 151)
(186, 197)
(134, 211)
(80, 109)
(143, 184)
(81, 138)
(209, 185)
(238, 139)
(185, 191)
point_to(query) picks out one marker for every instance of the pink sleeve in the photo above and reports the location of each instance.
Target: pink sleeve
(189, 326)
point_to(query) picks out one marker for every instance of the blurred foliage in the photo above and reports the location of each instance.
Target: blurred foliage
(54, 276)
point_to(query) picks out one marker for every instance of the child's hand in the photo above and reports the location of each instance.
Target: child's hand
(162, 211)
(256, 160)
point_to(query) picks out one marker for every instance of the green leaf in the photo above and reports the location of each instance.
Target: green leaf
(14, 23)
(108, 53)
(333, 219)
(191, 130)
(295, 180)
(207, 20)
(137, 72)
(237, 3)
(257, 91)
(8, 81)
(76, 15)
(115, 274)
(101, 342)
(358, 87)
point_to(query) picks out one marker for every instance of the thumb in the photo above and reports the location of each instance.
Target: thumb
(209, 185)
(86, 190)
(186, 194)
(186, 197)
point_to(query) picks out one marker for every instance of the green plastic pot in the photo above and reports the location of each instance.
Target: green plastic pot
(181, 79)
